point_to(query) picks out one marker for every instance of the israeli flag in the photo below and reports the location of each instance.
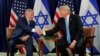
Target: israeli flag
(90, 18)
(43, 21)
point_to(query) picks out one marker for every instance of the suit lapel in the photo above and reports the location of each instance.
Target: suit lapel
(25, 21)
(70, 22)
(64, 26)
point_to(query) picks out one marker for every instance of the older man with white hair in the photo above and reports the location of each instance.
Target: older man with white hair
(72, 31)
(22, 34)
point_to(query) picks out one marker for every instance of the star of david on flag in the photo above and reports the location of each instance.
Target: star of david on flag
(89, 19)
(41, 20)
(41, 15)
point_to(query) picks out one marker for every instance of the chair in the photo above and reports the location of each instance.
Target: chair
(40, 45)
(8, 34)
(88, 32)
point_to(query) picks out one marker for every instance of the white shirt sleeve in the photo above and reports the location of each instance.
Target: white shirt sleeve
(33, 30)
(44, 33)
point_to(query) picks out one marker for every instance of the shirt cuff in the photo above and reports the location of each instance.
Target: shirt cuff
(44, 33)
(33, 30)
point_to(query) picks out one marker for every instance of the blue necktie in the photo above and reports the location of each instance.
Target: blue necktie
(67, 31)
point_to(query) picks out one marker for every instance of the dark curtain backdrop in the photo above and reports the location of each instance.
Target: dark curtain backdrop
(5, 6)
(98, 1)
(2, 27)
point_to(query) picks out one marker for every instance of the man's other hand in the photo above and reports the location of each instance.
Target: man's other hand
(24, 38)
(72, 45)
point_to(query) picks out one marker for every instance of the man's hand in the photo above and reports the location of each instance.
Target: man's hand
(72, 45)
(24, 38)
(39, 31)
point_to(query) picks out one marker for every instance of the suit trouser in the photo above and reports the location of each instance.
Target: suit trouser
(28, 46)
(62, 45)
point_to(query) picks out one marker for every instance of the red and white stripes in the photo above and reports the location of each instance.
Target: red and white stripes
(13, 19)
(56, 17)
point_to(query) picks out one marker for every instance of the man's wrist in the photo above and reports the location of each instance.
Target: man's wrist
(44, 33)
(33, 30)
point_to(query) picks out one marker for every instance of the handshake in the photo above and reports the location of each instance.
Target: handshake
(39, 31)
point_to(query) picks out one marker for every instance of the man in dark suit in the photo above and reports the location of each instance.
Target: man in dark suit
(71, 28)
(22, 34)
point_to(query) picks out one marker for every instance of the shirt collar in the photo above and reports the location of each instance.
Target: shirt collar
(67, 18)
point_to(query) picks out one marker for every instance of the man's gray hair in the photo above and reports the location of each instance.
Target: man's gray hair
(65, 7)
(28, 10)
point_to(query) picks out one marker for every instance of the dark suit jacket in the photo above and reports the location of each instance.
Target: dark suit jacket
(75, 28)
(22, 28)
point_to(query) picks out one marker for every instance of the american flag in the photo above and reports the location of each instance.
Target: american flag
(60, 3)
(17, 10)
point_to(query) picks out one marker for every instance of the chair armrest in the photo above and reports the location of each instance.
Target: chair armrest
(90, 37)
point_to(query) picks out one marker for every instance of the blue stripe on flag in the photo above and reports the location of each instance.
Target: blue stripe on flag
(36, 36)
(95, 51)
(45, 5)
(45, 49)
(94, 3)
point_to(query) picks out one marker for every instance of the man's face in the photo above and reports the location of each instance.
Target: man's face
(64, 12)
(30, 15)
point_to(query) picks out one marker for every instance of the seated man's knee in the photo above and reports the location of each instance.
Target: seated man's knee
(30, 40)
(11, 42)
